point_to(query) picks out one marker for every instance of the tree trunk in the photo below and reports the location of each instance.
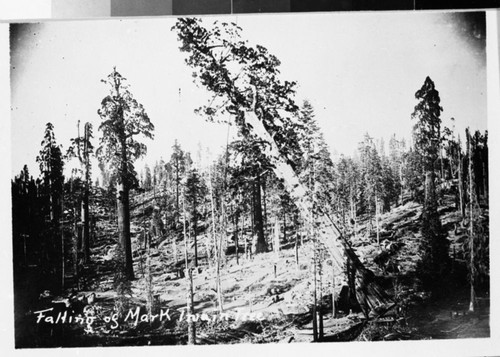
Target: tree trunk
(264, 206)
(123, 211)
(261, 245)
(189, 278)
(484, 162)
(86, 194)
(276, 243)
(320, 307)
(236, 227)
(485, 178)
(245, 242)
(430, 189)
(334, 312)
(86, 225)
(461, 185)
(216, 245)
(284, 226)
(174, 248)
(315, 301)
(177, 185)
(62, 245)
(401, 181)
(297, 233)
(441, 162)
(195, 234)
(377, 214)
(219, 261)
(471, 224)
(297, 250)
(351, 283)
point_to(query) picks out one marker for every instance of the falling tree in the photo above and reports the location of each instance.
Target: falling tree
(245, 83)
(123, 119)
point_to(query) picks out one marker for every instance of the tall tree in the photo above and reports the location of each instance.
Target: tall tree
(51, 164)
(476, 245)
(348, 186)
(371, 176)
(123, 118)
(51, 168)
(82, 148)
(397, 161)
(427, 138)
(314, 158)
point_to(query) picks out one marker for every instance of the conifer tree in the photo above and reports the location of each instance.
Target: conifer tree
(82, 148)
(50, 160)
(427, 137)
(147, 184)
(123, 118)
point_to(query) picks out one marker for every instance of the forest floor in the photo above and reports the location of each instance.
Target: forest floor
(269, 297)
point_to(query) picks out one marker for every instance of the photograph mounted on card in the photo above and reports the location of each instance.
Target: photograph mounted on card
(252, 179)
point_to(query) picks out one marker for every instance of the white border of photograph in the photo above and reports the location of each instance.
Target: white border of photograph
(465, 347)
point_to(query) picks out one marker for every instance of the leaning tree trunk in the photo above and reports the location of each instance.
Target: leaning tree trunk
(329, 235)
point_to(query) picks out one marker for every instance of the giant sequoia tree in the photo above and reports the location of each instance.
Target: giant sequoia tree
(123, 118)
(427, 136)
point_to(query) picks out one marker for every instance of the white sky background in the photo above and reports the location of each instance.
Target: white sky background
(359, 70)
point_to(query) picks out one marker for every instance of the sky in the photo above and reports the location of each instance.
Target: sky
(360, 71)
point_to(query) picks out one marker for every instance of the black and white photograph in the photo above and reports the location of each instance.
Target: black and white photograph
(250, 179)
